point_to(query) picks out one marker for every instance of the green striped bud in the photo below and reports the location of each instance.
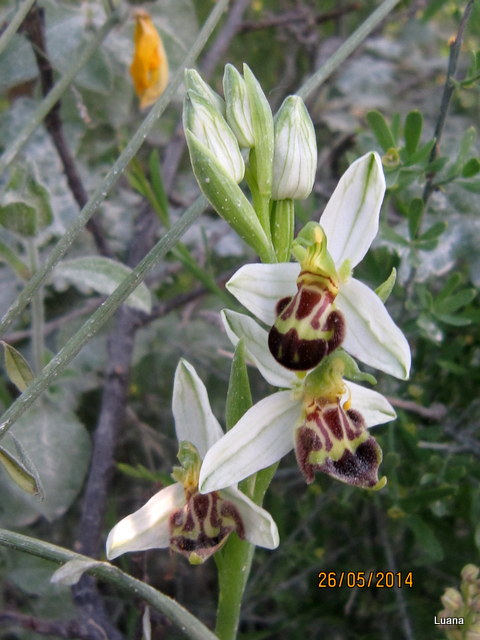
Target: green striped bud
(194, 82)
(295, 156)
(238, 112)
(209, 127)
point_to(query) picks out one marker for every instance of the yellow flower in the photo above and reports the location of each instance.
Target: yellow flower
(149, 68)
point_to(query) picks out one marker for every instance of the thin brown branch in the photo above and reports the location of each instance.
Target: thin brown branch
(436, 411)
(289, 17)
(34, 28)
(448, 91)
(53, 325)
(112, 413)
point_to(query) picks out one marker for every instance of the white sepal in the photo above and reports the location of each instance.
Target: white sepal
(147, 528)
(261, 437)
(260, 286)
(371, 334)
(194, 420)
(374, 407)
(350, 219)
(238, 325)
(260, 527)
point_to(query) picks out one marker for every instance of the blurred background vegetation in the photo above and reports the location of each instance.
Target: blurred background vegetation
(426, 521)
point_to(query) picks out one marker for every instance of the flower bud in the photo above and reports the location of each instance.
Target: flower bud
(194, 82)
(263, 135)
(470, 573)
(295, 154)
(238, 112)
(211, 130)
(149, 68)
(452, 600)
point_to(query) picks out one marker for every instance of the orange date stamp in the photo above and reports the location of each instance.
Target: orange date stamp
(365, 579)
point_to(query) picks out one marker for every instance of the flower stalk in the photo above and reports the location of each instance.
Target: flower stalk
(125, 583)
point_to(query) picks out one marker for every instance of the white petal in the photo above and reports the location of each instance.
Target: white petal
(238, 325)
(350, 219)
(261, 437)
(374, 407)
(194, 420)
(260, 286)
(260, 527)
(147, 528)
(371, 334)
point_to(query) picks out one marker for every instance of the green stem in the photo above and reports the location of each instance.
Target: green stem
(15, 22)
(115, 172)
(234, 561)
(134, 588)
(347, 48)
(38, 316)
(282, 221)
(100, 317)
(233, 572)
(260, 203)
(55, 94)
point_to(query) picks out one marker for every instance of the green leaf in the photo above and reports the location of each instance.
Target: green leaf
(454, 280)
(426, 538)
(19, 217)
(158, 189)
(466, 143)
(96, 75)
(456, 301)
(422, 154)
(473, 187)
(17, 368)
(453, 320)
(433, 232)
(25, 207)
(71, 572)
(239, 397)
(415, 213)
(391, 235)
(471, 168)
(413, 131)
(381, 130)
(59, 447)
(19, 473)
(103, 275)
(140, 472)
(384, 290)
(10, 257)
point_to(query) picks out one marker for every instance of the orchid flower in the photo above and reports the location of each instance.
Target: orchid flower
(193, 524)
(316, 306)
(324, 417)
